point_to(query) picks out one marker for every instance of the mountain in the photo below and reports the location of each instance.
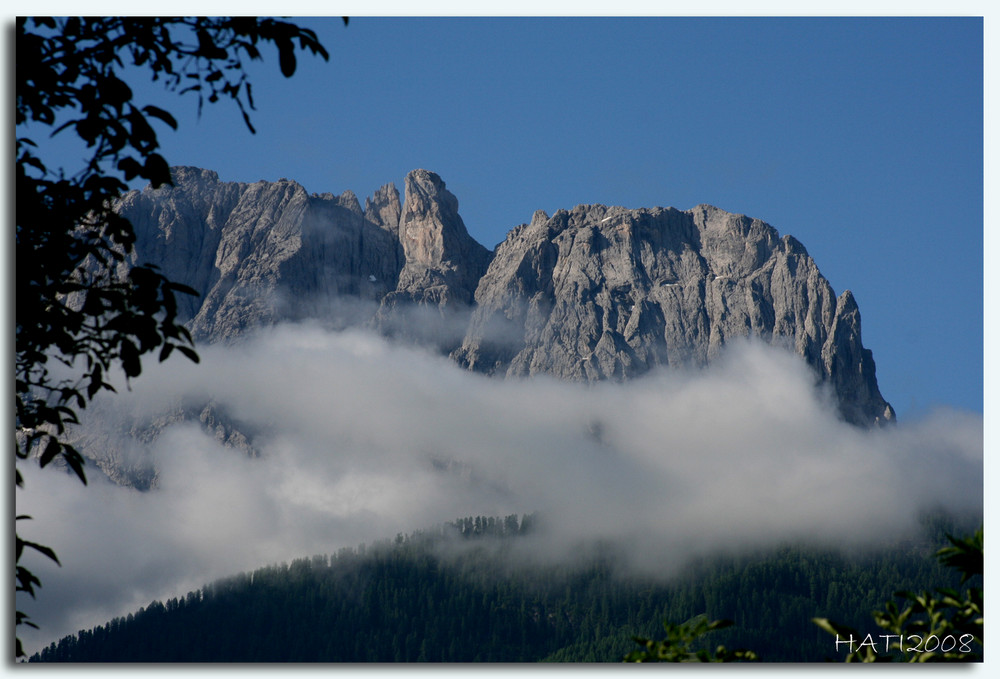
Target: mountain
(469, 592)
(604, 292)
(591, 293)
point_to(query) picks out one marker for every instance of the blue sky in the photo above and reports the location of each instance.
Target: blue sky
(863, 138)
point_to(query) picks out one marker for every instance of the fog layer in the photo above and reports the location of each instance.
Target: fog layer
(360, 439)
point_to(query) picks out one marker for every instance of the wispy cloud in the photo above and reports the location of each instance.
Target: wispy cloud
(361, 438)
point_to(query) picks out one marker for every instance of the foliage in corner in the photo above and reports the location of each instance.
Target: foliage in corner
(945, 626)
(82, 305)
(680, 644)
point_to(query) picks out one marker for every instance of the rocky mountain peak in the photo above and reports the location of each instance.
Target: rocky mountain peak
(442, 262)
(431, 230)
(184, 175)
(594, 292)
(383, 209)
(602, 292)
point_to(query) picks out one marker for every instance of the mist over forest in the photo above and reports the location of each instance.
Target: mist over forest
(359, 439)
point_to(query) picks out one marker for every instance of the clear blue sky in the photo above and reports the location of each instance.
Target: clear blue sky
(863, 138)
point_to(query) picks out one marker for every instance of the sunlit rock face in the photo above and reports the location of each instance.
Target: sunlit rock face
(441, 267)
(587, 294)
(603, 292)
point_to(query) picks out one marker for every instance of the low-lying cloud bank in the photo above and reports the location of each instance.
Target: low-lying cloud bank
(362, 439)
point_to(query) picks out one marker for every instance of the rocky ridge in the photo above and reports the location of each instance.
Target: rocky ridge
(591, 293)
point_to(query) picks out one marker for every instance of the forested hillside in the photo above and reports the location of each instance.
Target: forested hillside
(460, 593)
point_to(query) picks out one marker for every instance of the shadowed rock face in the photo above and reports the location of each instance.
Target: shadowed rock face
(262, 252)
(593, 293)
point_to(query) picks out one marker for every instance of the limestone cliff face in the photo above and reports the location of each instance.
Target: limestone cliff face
(262, 252)
(591, 293)
(442, 263)
(599, 292)
(180, 228)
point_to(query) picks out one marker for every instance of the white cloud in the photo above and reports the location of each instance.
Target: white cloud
(361, 439)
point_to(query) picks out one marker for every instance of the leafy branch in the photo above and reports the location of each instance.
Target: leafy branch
(942, 627)
(952, 619)
(679, 644)
(83, 305)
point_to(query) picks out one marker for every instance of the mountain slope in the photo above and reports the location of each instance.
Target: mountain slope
(464, 593)
(591, 293)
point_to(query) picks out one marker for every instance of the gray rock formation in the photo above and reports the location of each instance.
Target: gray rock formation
(588, 294)
(262, 252)
(442, 265)
(118, 441)
(599, 292)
